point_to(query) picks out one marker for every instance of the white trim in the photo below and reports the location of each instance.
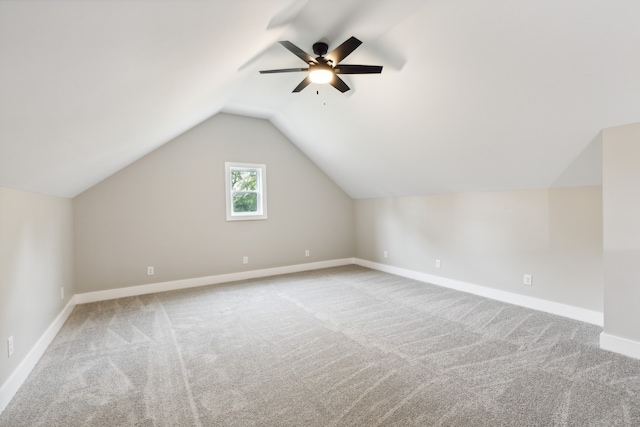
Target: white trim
(18, 377)
(620, 345)
(582, 314)
(261, 191)
(204, 281)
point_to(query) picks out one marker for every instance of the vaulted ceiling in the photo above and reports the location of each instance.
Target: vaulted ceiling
(474, 96)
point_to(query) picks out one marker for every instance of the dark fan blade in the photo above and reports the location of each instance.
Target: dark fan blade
(344, 50)
(283, 70)
(306, 82)
(358, 69)
(299, 52)
(339, 84)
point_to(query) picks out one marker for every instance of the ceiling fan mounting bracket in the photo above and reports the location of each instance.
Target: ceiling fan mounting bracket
(320, 48)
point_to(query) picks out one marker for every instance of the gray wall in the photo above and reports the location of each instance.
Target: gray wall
(621, 204)
(167, 210)
(36, 260)
(493, 238)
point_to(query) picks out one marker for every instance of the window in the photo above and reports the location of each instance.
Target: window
(246, 190)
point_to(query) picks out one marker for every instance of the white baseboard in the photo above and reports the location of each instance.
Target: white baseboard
(584, 315)
(620, 345)
(204, 281)
(15, 381)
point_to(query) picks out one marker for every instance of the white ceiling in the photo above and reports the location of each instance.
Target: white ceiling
(491, 95)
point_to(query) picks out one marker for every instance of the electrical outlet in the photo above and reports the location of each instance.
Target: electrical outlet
(437, 263)
(245, 260)
(150, 271)
(528, 279)
(306, 253)
(10, 346)
(385, 254)
(62, 292)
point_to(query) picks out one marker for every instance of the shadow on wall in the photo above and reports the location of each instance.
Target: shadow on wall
(586, 169)
(575, 245)
(415, 228)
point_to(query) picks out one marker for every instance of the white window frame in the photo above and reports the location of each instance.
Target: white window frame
(261, 192)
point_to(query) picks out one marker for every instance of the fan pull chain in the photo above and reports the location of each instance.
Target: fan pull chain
(324, 101)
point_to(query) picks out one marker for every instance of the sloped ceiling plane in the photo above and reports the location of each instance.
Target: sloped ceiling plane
(475, 96)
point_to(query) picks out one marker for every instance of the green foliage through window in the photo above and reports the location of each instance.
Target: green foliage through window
(244, 187)
(244, 179)
(245, 202)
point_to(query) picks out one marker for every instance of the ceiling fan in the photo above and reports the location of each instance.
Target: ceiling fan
(326, 67)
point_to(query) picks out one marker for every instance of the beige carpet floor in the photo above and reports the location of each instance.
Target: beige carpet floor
(345, 346)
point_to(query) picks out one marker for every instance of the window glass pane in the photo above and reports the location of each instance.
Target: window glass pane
(244, 179)
(245, 202)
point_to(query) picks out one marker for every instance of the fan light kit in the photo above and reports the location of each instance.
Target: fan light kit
(320, 75)
(326, 67)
